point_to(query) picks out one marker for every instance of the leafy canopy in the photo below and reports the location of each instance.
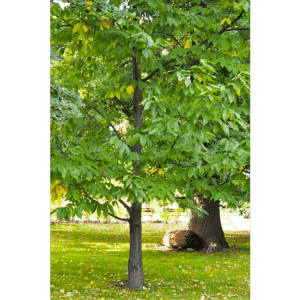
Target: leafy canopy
(193, 58)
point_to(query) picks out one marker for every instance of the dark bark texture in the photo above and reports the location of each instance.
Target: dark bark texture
(135, 264)
(209, 226)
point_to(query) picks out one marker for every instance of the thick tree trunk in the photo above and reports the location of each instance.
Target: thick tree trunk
(209, 226)
(135, 264)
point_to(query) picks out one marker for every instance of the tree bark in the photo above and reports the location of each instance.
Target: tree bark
(135, 263)
(209, 226)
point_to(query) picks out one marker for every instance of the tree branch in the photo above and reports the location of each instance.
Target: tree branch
(227, 179)
(237, 29)
(118, 217)
(124, 64)
(125, 109)
(53, 211)
(156, 70)
(110, 125)
(170, 35)
(224, 29)
(201, 43)
(234, 21)
(125, 205)
(121, 219)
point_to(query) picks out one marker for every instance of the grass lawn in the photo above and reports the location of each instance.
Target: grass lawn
(89, 261)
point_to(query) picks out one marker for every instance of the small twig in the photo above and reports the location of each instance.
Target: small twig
(123, 64)
(125, 109)
(170, 35)
(110, 125)
(226, 179)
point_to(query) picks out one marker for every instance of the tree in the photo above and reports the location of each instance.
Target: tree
(157, 68)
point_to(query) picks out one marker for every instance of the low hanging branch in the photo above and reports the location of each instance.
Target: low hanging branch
(121, 219)
(122, 202)
(110, 214)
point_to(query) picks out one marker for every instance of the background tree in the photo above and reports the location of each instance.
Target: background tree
(175, 74)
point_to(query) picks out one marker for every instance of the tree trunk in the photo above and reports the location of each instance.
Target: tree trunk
(209, 226)
(135, 264)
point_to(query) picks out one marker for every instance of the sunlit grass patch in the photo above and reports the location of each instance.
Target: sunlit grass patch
(89, 261)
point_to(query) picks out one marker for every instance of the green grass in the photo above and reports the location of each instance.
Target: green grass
(89, 261)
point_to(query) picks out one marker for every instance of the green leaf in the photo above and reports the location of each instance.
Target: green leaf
(99, 211)
(143, 140)
(62, 171)
(246, 6)
(231, 96)
(225, 128)
(191, 172)
(105, 211)
(61, 213)
(233, 126)
(123, 149)
(76, 27)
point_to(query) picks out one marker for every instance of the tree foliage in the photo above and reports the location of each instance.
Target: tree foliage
(193, 62)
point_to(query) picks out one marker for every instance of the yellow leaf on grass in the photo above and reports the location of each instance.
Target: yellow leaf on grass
(130, 90)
